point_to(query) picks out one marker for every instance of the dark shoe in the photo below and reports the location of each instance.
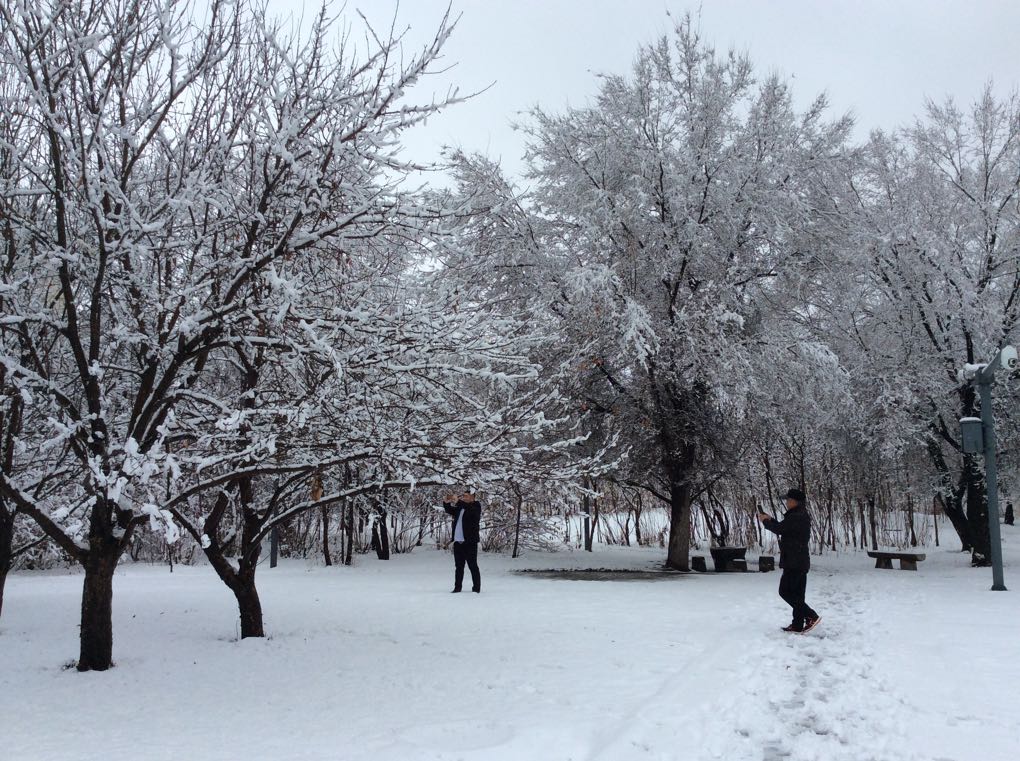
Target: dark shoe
(476, 591)
(810, 624)
(455, 591)
(794, 628)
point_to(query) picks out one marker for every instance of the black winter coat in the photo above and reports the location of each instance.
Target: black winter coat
(472, 518)
(794, 538)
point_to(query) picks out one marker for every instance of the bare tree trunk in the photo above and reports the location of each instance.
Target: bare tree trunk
(910, 518)
(6, 548)
(586, 507)
(757, 527)
(951, 496)
(242, 583)
(380, 534)
(830, 500)
(325, 536)
(349, 550)
(249, 605)
(3, 584)
(242, 580)
(384, 535)
(518, 500)
(977, 513)
(679, 551)
(239, 580)
(97, 607)
(10, 426)
(637, 519)
(770, 484)
(864, 527)
(871, 521)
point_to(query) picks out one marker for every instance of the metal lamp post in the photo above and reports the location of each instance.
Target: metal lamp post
(979, 435)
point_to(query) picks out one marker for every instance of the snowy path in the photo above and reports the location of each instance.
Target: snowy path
(380, 662)
(832, 694)
(778, 696)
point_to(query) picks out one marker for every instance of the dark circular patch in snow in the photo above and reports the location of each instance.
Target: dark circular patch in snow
(601, 574)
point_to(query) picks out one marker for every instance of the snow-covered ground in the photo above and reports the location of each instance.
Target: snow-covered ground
(380, 662)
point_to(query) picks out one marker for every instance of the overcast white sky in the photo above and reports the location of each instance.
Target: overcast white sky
(878, 59)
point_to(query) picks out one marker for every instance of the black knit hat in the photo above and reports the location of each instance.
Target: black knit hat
(796, 494)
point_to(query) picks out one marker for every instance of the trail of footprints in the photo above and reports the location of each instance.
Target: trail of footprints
(838, 701)
(820, 699)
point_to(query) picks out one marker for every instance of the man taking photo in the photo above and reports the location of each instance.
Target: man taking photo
(794, 533)
(466, 512)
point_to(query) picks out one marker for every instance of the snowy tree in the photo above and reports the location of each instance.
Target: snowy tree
(164, 170)
(936, 283)
(410, 392)
(678, 203)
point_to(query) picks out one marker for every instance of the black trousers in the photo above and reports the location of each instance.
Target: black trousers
(466, 552)
(792, 587)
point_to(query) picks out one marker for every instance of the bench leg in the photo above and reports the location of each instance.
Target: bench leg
(885, 563)
(908, 565)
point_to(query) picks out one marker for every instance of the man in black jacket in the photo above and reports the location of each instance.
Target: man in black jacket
(794, 533)
(466, 512)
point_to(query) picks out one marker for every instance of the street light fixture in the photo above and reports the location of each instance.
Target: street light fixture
(978, 435)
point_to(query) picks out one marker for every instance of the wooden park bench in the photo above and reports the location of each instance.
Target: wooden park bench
(908, 560)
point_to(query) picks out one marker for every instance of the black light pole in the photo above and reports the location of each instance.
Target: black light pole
(983, 439)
